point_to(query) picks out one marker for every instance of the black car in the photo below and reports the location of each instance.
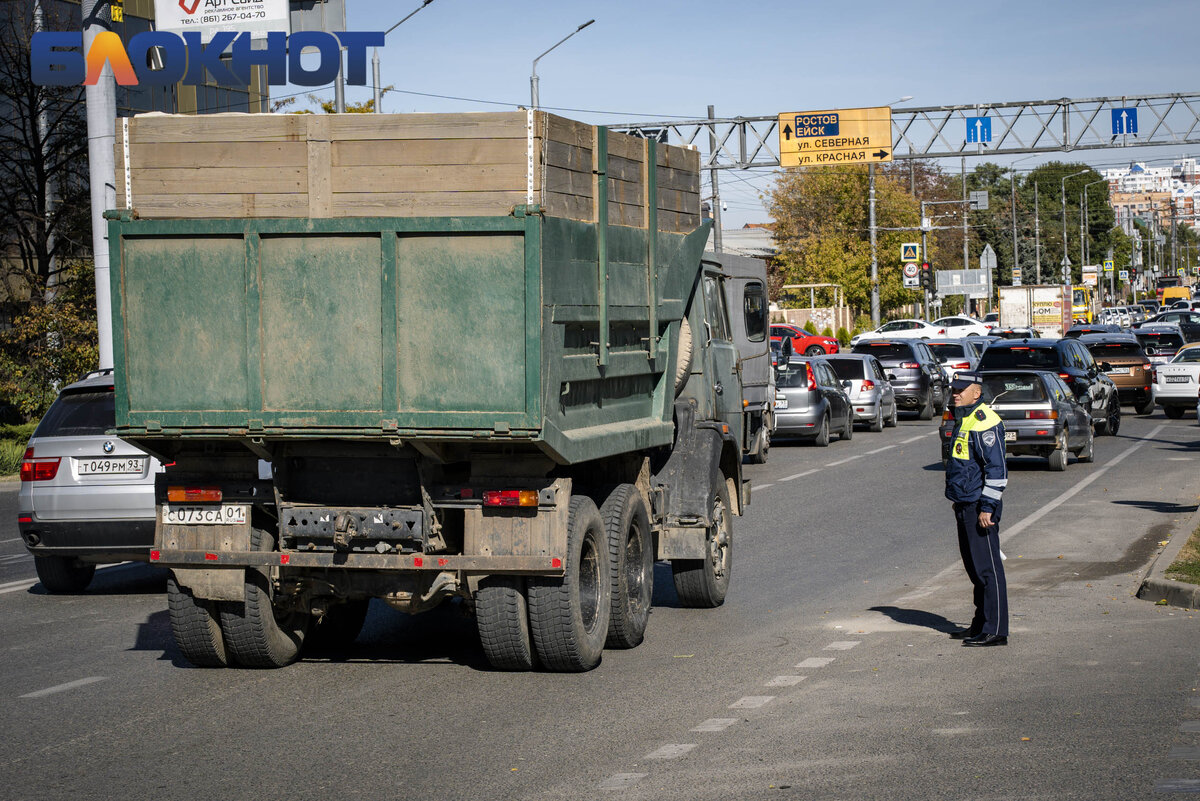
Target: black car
(1015, 333)
(914, 372)
(1188, 322)
(1093, 328)
(1042, 417)
(1073, 363)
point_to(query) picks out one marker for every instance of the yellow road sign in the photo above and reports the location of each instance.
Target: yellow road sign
(838, 136)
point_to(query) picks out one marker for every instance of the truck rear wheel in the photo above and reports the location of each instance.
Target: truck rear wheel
(196, 627)
(702, 583)
(256, 633)
(502, 618)
(568, 616)
(632, 555)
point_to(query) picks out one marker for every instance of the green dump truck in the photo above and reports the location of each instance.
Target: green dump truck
(479, 353)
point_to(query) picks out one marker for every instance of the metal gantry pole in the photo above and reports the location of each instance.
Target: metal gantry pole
(874, 250)
(925, 257)
(966, 208)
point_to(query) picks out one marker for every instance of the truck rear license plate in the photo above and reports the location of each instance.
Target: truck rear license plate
(1010, 436)
(104, 466)
(229, 514)
(1176, 379)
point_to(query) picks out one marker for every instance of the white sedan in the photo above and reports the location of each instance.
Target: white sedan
(903, 329)
(1177, 383)
(962, 326)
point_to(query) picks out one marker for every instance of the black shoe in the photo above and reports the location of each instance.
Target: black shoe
(983, 640)
(962, 634)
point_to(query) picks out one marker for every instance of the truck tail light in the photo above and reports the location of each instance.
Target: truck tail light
(38, 469)
(947, 416)
(1041, 414)
(194, 494)
(510, 498)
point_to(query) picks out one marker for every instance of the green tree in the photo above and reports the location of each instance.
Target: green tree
(50, 344)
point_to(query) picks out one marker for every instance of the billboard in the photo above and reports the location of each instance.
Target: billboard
(256, 17)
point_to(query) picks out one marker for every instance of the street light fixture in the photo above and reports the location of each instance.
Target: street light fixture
(872, 228)
(1066, 275)
(533, 77)
(375, 55)
(1012, 196)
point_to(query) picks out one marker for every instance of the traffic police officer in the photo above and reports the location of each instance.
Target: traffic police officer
(976, 476)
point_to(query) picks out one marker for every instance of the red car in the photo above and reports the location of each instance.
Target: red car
(804, 343)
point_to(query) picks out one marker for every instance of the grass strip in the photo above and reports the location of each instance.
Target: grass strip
(1186, 566)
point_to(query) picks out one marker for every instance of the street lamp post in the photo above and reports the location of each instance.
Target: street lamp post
(533, 77)
(1066, 275)
(375, 56)
(1012, 195)
(872, 228)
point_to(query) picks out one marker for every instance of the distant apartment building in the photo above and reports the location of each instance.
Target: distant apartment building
(1155, 195)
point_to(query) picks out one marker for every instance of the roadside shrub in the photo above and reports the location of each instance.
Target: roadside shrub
(843, 336)
(810, 327)
(826, 331)
(11, 452)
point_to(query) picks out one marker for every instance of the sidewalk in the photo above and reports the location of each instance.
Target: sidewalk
(1155, 586)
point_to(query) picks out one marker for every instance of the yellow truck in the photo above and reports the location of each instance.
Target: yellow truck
(1082, 304)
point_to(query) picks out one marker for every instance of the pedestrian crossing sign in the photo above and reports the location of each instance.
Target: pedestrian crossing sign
(910, 251)
(1108, 265)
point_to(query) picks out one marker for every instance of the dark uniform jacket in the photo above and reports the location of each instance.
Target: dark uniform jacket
(977, 471)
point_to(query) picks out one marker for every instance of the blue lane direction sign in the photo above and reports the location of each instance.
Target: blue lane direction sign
(1124, 121)
(979, 129)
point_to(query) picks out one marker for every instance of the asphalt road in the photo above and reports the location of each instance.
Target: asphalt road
(826, 675)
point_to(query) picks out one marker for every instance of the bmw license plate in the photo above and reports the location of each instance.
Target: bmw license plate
(229, 514)
(1010, 436)
(108, 466)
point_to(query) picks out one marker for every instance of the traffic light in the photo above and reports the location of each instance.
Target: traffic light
(926, 275)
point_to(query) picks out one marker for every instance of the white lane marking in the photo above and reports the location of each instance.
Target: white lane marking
(16, 557)
(920, 592)
(70, 685)
(670, 751)
(785, 681)
(619, 781)
(752, 702)
(715, 724)
(879, 450)
(843, 461)
(798, 475)
(760, 487)
(912, 439)
(14, 539)
(815, 662)
(1075, 490)
(842, 645)
(1190, 726)
(1177, 786)
(17, 586)
(1169, 459)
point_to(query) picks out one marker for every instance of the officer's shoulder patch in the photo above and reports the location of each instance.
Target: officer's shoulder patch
(989, 437)
(980, 415)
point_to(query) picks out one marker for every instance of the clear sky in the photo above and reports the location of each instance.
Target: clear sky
(671, 59)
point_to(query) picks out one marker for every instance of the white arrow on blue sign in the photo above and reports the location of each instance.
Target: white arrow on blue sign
(979, 129)
(1124, 121)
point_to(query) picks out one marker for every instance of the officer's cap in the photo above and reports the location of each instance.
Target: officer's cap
(964, 380)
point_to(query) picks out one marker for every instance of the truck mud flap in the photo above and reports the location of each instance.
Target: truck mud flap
(209, 541)
(686, 478)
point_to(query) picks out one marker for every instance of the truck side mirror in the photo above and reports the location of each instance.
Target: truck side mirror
(785, 350)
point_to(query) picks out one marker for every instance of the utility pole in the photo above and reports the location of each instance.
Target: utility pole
(101, 101)
(925, 254)
(965, 209)
(1012, 191)
(874, 251)
(1037, 234)
(42, 137)
(718, 245)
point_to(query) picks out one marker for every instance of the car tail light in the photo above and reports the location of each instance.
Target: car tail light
(910, 365)
(960, 365)
(179, 494)
(1067, 377)
(867, 384)
(510, 498)
(1041, 414)
(44, 469)
(812, 381)
(1147, 366)
(947, 415)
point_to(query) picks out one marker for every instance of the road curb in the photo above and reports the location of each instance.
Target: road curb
(1155, 586)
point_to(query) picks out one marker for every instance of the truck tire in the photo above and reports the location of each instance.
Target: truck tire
(340, 626)
(762, 443)
(702, 583)
(683, 361)
(568, 615)
(502, 619)
(631, 551)
(62, 574)
(195, 624)
(256, 633)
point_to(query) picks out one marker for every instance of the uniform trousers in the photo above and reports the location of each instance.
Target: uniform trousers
(980, 549)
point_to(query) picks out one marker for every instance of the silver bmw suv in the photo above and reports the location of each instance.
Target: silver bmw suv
(86, 497)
